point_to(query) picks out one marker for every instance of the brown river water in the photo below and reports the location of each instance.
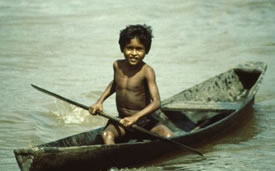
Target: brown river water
(68, 46)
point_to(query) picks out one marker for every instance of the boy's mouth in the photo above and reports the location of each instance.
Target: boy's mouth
(133, 59)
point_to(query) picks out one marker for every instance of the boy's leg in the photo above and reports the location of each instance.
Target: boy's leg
(111, 132)
(162, 130)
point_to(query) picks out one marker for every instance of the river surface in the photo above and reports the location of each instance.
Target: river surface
(68, 46)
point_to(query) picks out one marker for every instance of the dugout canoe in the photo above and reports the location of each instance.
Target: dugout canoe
(195, 115)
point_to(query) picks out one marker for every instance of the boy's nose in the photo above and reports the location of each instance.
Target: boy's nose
(134, 52)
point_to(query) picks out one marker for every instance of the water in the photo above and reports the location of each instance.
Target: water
(69, 46)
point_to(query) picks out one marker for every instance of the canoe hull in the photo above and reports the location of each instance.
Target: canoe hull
(102, 157)
(97, 157)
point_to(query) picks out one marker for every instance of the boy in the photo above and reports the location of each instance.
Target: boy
(134, 83)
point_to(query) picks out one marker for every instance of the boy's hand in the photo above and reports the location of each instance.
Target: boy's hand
(96, 108)
(128, 121)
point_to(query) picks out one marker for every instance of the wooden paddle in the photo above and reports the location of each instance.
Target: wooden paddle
(116, 120)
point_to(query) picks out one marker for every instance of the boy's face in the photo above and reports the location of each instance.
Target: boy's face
(134, 52)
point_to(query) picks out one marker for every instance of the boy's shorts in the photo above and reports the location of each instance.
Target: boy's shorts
(147, 122)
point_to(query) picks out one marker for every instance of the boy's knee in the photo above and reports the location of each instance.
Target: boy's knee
(107, 135)
(168, 134)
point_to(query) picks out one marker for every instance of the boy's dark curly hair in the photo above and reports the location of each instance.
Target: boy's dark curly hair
(142, 32)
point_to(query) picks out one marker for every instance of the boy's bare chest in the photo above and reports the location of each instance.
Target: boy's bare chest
(129, 81)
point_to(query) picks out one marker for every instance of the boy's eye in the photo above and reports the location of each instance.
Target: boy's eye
(139, 49)
(129, 48)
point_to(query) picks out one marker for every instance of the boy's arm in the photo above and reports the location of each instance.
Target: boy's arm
(98, 106)
(108, 92)
(155, 99)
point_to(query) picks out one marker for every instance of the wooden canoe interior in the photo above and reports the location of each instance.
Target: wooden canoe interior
(231, 86)
(206, 103)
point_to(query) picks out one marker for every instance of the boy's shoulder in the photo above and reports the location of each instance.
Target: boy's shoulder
(147, 67)
(118, 63)
(149, 70)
